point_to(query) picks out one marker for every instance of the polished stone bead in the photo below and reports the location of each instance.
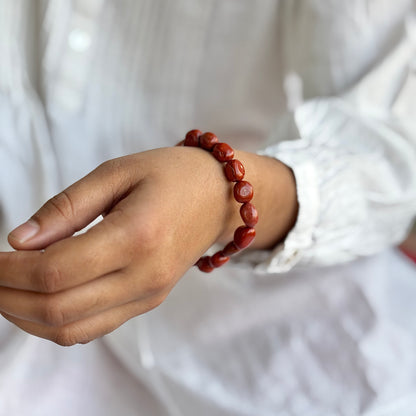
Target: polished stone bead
(249, 214)
(230, 249)
(218, 259)
(208, 140)
(223, 152)
(243, 191)
(204, 264)
(244, 236)
(234, 170)
(192, 138)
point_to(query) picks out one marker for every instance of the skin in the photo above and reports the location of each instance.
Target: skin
(162, 210)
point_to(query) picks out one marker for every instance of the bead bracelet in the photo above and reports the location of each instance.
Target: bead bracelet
(243, 193)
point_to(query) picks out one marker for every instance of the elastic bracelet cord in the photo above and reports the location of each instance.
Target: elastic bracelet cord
(243, 193)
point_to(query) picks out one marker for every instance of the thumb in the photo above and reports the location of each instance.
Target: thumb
(71, 210)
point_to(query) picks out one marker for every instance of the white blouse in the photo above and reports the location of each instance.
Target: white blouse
(325, 323)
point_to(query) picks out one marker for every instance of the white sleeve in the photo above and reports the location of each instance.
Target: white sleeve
(355, 169)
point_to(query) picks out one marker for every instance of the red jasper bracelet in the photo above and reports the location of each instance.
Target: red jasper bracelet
(243, 193)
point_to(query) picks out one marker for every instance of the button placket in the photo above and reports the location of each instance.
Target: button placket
(72, 74)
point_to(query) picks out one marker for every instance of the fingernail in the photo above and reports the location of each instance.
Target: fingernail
(25, 231)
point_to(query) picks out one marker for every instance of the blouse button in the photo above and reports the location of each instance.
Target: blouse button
(79, 40)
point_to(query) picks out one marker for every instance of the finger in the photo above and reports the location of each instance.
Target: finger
(64, 307)
(104, 249)
(74, 208)
(17, 267)
(83, 331)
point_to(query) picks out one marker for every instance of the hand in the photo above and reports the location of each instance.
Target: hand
(162, 210)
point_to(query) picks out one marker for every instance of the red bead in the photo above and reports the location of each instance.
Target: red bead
(243, 191)
(218, 259)
(192, 138)
(204, 264)
(208, 140)
(222, 152)
(244, 236)
(249, 214)
(230, 249)
(234, 170)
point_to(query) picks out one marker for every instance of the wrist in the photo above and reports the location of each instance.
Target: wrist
(274, 197)
(234, 172)
(277, 198)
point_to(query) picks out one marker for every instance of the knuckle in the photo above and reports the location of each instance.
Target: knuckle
(68, 336)
(63, 205)
(158, 283)
(147, 236)
(49, 277)
(140, 237)
(153, 286)
(53, 313)
(64, 337)
(120, 235)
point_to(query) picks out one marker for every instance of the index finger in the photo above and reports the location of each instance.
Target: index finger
(68, 262)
